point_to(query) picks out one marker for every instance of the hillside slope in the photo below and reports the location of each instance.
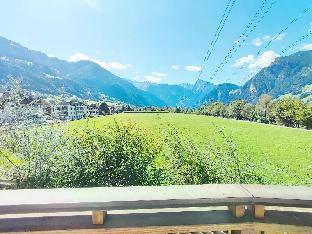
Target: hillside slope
(85, 79)
(38, 72)
(172, 95)
(287, 75)
(191, 95)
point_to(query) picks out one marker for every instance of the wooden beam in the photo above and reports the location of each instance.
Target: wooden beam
(98, 216)
(237, 211)
(258, 211)
(121, 198)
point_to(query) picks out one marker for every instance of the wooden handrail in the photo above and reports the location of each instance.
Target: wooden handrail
(119, 198)
(279, 195)
(146, 197)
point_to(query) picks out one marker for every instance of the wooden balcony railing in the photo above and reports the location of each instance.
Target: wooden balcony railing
(251, 209)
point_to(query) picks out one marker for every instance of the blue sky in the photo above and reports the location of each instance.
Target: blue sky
(161, 41)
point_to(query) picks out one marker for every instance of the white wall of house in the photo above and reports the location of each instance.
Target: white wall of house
(70, 112)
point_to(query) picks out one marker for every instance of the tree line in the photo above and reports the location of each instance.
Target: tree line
(287, 111)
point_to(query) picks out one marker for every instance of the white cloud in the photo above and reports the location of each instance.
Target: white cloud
(193, 68)
(243, 61)
(78, 57)
(117, 65)
(264, 60)
(306, 47)
(107, 65)
(94, 4)
(280, 37)
(102, 64)
(155, 77)
(253, 63)
(259, 41)
(176, 67)
(159, 74)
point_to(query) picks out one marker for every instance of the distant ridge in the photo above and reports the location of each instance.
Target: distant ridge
(85, 79)
(286, 75)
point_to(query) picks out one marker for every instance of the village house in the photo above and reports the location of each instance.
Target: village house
(43, 110)
(73, 111)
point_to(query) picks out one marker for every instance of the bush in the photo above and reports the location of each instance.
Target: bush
(123, 155)
(290, 111)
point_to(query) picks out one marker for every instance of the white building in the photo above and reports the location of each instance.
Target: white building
(81, 111)
(63, 112)
(93, 111)
(67, 111)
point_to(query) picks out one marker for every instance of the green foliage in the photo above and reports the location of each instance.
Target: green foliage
(307, 117)
(104, 109)
(123, 154)
(154, 149)
(279, 155)
(235, 109)
(219, 162)
(265, 109)
(288, 111)
(216, 109)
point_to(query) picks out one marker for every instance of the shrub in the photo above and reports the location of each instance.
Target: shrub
(123, 155)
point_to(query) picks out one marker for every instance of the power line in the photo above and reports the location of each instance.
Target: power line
(296, 42)
(217, 34)
(282, 31)
(289, 47)
(221, 26)
(261, 12)
(305, 11)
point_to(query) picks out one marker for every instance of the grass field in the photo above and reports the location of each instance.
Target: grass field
(285, 153)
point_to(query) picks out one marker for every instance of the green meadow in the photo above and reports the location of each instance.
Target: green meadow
(282, 154)
(156, 149)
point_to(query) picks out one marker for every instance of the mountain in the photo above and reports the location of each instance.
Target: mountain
(191, 95)
(290, 75)
(84, 79)
(209, 92)
(172, 95)
(202, 87)
(286, 75)
(225, 93)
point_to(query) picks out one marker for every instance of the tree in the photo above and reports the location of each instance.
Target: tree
(127, 108)
(290, 111)
(307, 116)
(271, 113)
(16, 109)
(177, 110)
(247, 112)
(215, 109)
(263, 106)
(104, 109)
(235, 109)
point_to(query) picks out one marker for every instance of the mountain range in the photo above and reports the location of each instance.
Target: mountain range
(286, 75)
(88, 80)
